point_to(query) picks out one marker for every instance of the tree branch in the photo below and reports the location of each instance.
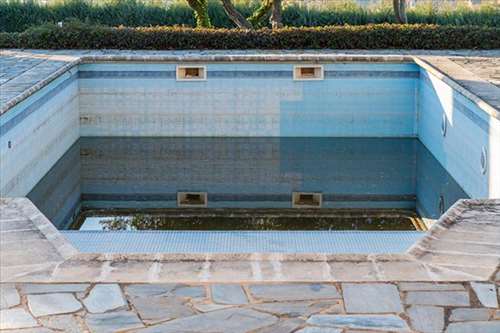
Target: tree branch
(235, 16)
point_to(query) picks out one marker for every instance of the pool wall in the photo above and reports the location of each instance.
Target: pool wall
(353, 100)
(36, 133)
(469, 133)
(249, 99)
(236, 172)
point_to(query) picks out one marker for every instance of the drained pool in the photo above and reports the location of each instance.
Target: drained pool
(245, 184)
(227, 156)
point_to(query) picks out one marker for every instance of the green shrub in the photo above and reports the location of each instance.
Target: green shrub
(82, 36)
(18, 16)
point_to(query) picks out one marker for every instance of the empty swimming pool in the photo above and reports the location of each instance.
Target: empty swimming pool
(227, 156)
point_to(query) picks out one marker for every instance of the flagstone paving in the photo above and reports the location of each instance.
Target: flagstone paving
(265, 308)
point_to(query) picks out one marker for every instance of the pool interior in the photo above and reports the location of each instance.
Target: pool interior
(132, 183)
(128, 139)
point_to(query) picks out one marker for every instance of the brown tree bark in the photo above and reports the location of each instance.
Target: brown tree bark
(402, 11)
(276, 18)
(235, 16)
(399, 7)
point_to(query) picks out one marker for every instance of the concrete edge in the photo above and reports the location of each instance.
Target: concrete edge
(47, 229)
(256, 267)
(82, 59)
(269, 257)
(38, 86)
(442, 225)
(483, 105)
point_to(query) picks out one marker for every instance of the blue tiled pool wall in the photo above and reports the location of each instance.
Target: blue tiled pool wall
(433, 185)
(354, 100)
(357, 100)
(36, 133)
(58, 194)
(469, 131)
(244, 173)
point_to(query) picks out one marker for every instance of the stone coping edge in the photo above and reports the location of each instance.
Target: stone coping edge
(440, 226)
(47, 229)
(449, 218)
(263, 267)
(204, 257)
(490, 110)
(38, 86)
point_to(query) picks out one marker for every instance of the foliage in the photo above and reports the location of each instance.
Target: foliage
(201, 15)
(17, 16)
(76, 35)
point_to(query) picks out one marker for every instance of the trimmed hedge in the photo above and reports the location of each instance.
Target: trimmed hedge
(18, 16)
(81, 36)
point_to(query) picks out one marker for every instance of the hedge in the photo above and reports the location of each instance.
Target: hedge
(18, 16)
(81, 36)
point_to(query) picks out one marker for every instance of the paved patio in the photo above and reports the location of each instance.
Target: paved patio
(233, 308)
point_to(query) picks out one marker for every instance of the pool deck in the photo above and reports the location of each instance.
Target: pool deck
(462, 246)
(448, 281)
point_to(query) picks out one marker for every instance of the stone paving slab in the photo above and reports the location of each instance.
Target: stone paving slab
(112, 321)
(443, 298)
(228, 294)
(426, 319)
(9, 296)
(16, 319)
(466, 314)
(103, 298)
(155, 308)
(53, 303)
(486, 294)
(371, 298)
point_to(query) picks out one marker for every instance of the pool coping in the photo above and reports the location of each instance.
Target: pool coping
(422, 262)
(438, 65)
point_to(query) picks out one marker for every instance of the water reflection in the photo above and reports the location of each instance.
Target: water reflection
(238, 219)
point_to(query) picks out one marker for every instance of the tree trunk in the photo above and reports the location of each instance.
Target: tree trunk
(276, 20)
(399, 7)
(235, 16)
(402, 11)
(200, 8)
(395, 6)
